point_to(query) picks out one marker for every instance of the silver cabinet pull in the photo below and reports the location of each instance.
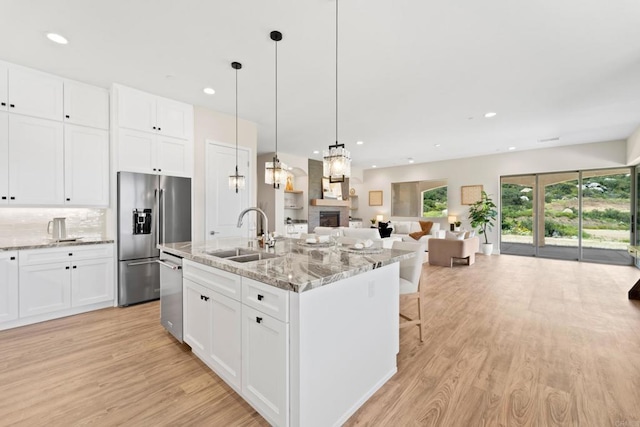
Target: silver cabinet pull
(131, 264)
(167, 264)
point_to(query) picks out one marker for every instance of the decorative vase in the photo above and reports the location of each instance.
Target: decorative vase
(486, 248)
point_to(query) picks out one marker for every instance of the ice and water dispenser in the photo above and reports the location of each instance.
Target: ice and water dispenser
(142, 221)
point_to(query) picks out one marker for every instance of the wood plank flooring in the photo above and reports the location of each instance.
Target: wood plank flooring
(509, 341)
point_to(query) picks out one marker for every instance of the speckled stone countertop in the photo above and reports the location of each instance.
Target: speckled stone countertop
(297, 268)
(19, 244)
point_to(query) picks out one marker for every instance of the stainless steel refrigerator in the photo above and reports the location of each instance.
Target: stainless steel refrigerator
(152, 209)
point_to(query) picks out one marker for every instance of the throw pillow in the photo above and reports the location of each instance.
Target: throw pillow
(450, 235)
(425, 226)
(472, 233)
(401, 227)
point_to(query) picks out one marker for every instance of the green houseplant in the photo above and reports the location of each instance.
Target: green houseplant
(482, 215)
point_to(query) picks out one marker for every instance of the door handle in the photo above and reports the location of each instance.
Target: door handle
(213, 232)
(132, 264)
(169, 265)
(162, 214)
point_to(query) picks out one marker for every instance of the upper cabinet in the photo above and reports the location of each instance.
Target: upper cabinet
(86, 105)
(4, 91)
(149, 113)
(34, 93)
(154, 135)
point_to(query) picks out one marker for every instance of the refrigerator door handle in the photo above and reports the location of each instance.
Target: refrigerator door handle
(157, 216)
(162, 214)
(132, 264)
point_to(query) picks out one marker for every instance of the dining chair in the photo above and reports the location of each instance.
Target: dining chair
(410, 272)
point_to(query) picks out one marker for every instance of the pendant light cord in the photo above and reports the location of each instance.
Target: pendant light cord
(236, 125)
(336, 71)
(276, 99)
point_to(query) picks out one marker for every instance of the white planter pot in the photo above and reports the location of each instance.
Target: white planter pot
(486, 248)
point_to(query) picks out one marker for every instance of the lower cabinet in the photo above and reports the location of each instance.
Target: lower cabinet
(8, 286)
(246, 347)
(265, 364)
(58, 279)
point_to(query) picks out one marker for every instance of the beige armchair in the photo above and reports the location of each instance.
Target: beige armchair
(444, 251)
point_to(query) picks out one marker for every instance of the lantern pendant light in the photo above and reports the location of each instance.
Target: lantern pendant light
(236, 181)
(336, 161)
(275, 171)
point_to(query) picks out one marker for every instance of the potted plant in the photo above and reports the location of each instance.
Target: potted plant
(456, 225)
(482, 215)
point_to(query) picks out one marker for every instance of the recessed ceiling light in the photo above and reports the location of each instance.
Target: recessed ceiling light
(57, 38)
(410, 160)
(437, 145)
(208, 91)
(373, 166)
(490, 114)
(316, 152)
(359, 142)
(512, 148)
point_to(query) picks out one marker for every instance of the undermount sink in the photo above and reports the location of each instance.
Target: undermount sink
(241, 255)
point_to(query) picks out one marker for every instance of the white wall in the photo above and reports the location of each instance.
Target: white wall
(486, 171)
(209, 124)
(633, 148)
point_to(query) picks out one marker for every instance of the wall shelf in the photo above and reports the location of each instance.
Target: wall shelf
(329, 202)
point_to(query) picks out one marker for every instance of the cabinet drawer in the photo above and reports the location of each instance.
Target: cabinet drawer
(68, 253)
(266, 298)
(217, 280)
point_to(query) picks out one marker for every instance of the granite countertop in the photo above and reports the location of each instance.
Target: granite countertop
(297, 268)
(18, 243)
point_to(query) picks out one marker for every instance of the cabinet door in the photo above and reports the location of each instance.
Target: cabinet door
(91, 281)
(136, 110)
(36, 160)
(86, 105)
(8, 286)
(136, 151)
(225, 340)
(44, 288)
(174, 118)
(86, 172)
(4, 158)
(173, 156)
(265, 365)
(35, 94)
(196, 303)
(4, 82)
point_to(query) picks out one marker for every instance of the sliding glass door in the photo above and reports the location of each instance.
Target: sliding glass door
(583, 215)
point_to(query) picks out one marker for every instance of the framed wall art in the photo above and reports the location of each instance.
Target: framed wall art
(375, 198)
(470, 194)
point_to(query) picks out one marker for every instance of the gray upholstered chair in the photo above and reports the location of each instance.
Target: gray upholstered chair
(410, 272)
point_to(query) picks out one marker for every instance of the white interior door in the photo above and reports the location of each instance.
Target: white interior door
(222, 204)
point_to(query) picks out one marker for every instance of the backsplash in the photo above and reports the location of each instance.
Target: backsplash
(31, 223)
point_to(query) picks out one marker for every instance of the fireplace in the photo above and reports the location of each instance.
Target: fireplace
(329, 218)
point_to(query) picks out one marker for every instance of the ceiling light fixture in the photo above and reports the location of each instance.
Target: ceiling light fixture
(511, 148)
(208, 91)
(57, 38)
(374, 166)
(236, 181)
(359, 142)
(490, 114)
(336, 161)
(274, 171)
(437, 145)
(411, 160)
(316, 152)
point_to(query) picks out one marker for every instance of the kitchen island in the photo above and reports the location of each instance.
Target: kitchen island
(305, 335)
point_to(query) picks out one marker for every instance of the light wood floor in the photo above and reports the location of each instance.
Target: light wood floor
(509, 341)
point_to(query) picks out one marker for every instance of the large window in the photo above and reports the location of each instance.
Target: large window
(427, 199)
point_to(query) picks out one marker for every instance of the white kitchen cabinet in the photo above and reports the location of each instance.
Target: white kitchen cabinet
(154, 154)
(212, 319)
(44, 288)
(149, 113)
(265, 365)
(8, 286)
(4, 158)
(86, 169)
(86, 105)
(35, 94)
(196, 317)
(57, 279)
(4, 82)
(36, 161)
(92, 281)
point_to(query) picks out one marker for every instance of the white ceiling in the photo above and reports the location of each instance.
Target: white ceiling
(413, 73)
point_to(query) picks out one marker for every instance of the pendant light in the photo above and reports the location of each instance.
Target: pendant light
(275, 171)
(336, 161)
(236, 181)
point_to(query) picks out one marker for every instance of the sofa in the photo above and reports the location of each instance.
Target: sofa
(402, 229)
(443, 251)
(349, 236)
